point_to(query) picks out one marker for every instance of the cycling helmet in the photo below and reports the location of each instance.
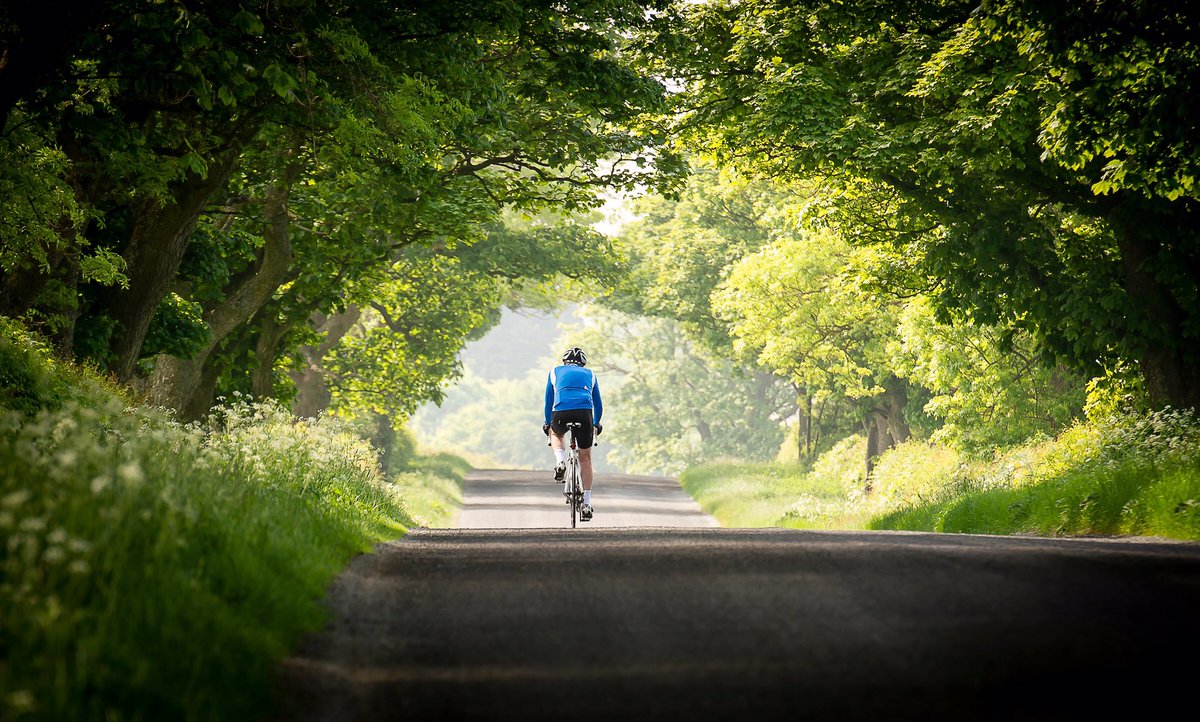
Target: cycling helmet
(575, 356)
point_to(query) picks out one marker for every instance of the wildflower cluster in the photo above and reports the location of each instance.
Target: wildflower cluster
(126, 537)
(1162, 439)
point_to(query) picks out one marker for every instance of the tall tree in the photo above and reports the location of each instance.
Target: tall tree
(1001, 146)
(799, 308)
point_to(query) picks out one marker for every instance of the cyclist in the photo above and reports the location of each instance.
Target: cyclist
(573, 395)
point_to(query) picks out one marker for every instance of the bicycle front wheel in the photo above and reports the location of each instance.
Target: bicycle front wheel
(576, 496)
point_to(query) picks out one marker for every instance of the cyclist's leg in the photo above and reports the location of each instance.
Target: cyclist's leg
(585, 472)
(557, 431)
(585, 440)
(585, 467)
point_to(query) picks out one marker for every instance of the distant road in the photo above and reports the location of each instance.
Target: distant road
(533, 500)
(733, 624)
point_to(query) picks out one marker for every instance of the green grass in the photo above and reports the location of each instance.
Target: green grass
(432, 488)
(760, 495)
(1137, 474)
(151, 570)
(1115, 477)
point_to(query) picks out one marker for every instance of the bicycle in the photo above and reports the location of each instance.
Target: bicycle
(573, 479)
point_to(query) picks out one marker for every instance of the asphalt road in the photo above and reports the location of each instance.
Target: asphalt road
(716, 624)
(533, 500)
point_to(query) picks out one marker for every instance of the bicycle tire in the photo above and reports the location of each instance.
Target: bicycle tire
(573, 469)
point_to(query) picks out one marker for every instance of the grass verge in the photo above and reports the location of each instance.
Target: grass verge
(760, 495)
(432, 488)
(1114, 476)
(154, 570)
(1117, 475)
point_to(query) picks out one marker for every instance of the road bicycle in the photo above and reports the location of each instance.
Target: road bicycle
(573, 479)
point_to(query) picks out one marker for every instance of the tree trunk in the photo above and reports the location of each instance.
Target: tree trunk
(804, 424)
(383, 438)
(1169, 358)
(266, 349)
(896, 399)
(200, 402)
(313, 395)
(885, 424)
(175, 380)
(808, 424)
(874, 448)
(156, 246)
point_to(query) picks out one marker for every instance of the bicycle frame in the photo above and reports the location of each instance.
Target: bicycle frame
(573, 479)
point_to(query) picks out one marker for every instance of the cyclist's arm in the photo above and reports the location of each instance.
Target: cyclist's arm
(597, 404)
(549, 396)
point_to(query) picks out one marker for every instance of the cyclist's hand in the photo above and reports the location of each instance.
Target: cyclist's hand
(599, 428)
(546, 429)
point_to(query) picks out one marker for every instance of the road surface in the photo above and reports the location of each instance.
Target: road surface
(532, 500)
(724, 624)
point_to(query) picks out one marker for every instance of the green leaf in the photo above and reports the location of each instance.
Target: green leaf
(247, 22)
(281, 82)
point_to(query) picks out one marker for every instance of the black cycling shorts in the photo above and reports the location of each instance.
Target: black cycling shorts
(583, 435)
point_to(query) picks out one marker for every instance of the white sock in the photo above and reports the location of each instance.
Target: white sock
(587, 497)
(560, 455)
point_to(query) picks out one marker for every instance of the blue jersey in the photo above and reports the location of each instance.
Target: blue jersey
(573, 387)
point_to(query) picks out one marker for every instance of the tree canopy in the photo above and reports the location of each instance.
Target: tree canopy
(195, 185)
(1034, 162)
(931, 215)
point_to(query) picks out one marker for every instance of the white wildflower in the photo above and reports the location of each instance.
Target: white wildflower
(33, 523)
(100, 483)
(131, 473)
(15, 499)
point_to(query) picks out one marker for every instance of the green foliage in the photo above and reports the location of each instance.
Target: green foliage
(948, 131)
(178, 328)
(407, 344)
(1120, 390)
(39, 213)
(217, 252)
(1130, 474)
(682, 248)
(1115, 75)
(1136, 474)
(33, 378)
(990, 390)
(419, 128)
(799, 308)
(497, 421)
(129, 537)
